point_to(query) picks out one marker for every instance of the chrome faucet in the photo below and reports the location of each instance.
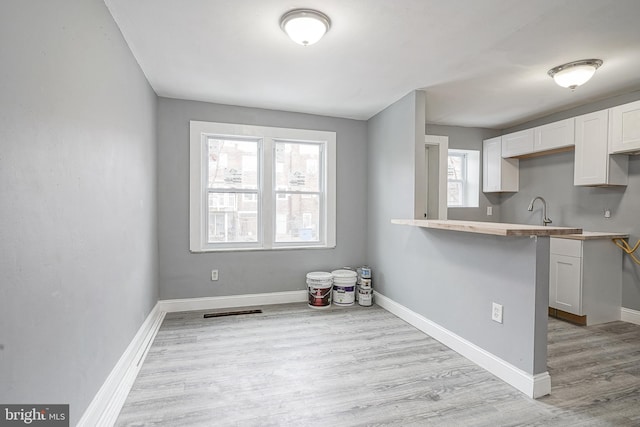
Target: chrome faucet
(545, 220)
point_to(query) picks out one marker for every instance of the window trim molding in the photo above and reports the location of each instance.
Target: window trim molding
(198, 131)
(472, 179)
(463, 155)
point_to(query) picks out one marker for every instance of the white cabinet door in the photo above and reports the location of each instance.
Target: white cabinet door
(491, 158)
(591, 148)
(625, 128)
(498, 174)
(517, 143)
(554, 136)
(565, 283)
(593, 164)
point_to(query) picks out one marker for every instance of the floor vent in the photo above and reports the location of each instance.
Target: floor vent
(232, 313)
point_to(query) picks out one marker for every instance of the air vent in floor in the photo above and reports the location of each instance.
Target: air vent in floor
(232, 313)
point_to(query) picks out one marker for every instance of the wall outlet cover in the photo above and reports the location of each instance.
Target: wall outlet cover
(214, 275)
(496, 312)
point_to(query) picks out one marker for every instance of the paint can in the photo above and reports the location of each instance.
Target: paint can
(364, 272)
(365, 283)
(344, 287)
(320, 284)
(365, 297)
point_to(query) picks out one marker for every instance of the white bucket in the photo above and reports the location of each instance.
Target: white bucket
(344, 287)
(365, 297)
(344, 275)
(319, 284)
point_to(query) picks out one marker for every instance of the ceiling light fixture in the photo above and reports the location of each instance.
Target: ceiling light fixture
(305, 26)
(575, 73)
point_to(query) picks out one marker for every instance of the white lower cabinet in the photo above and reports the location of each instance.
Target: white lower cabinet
(585, 278)
(565, 283)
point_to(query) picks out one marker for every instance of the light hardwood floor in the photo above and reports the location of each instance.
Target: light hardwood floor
(356, 366)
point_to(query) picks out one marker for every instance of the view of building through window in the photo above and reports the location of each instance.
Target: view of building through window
(456, 176)
(232, 190)
(233, 195)
(298, 185)
(463, 178)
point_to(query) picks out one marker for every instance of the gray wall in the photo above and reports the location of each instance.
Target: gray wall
(78, 247)
(187, 275)
(449, 277)
(552, 178)
(465, 138)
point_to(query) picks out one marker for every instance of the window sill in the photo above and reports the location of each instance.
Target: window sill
(279, 248)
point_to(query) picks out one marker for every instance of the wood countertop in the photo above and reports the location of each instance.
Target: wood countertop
(592, 235)
(493, 228)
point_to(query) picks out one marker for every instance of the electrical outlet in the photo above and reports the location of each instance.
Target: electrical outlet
(496, 312)
(489, 210)
(214, 275)
(607, 213)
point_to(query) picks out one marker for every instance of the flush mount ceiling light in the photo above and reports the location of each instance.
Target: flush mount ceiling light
(305, 26)
(575, 73)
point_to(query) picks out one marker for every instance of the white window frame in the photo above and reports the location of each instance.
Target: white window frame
(198, 206)
(471, 177)
(461, 180)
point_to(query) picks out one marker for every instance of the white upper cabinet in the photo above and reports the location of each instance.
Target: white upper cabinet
(498, 174)
(625, 128)
(593, 164)
(547, 139)
(517, 143)
(554, 136)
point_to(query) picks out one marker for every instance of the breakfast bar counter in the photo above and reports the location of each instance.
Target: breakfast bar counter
(493, 228)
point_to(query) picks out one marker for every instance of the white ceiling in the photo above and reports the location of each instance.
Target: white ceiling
(481, 62)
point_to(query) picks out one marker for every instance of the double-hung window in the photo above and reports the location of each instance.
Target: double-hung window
(256, 187)
(456, 178)
(463, 178)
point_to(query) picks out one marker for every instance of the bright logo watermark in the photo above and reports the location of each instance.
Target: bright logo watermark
(35, 415)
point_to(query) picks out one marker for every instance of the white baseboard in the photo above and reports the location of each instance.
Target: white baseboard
(232, 301)
(107, 403)
(532, 385)
(629, 315)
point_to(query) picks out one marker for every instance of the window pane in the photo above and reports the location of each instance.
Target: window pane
(297, 166)
(456, 167)
(233, 163)
(463, 176)
(297, 218)
(233, 218)
(454, 193)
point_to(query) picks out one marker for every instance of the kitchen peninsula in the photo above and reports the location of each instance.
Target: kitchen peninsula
(493, 228)
(470, 266)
